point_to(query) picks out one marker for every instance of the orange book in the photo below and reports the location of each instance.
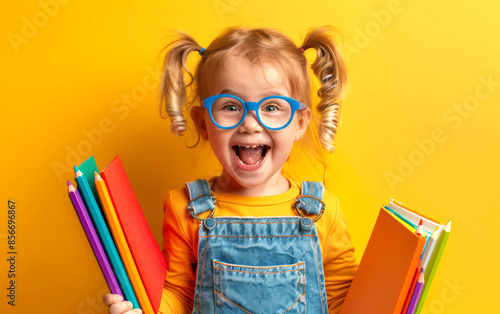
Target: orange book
(386, 270)
(414, 211)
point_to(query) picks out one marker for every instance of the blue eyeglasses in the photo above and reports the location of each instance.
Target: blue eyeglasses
(273, 112)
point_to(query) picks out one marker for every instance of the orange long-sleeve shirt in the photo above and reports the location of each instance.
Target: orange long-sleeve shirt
(180, 243)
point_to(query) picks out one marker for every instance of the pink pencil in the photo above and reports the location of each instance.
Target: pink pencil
(88, 226)
(416, 293)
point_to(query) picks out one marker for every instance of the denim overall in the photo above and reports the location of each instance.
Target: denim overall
(259, 265)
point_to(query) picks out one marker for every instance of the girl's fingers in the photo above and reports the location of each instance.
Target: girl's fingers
(122, 308)
(111, 299)
(118, 306)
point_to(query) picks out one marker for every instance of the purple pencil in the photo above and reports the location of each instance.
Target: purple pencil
(416, 293)
(88, 226)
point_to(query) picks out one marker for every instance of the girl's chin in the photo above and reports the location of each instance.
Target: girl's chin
(238, 179)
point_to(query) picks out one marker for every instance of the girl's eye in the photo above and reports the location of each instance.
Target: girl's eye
(271, 107)
(231, 107)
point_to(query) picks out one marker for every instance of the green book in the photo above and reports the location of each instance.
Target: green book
(87, 168)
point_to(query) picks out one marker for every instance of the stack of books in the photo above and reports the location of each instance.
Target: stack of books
(399, 263)
(125, 248)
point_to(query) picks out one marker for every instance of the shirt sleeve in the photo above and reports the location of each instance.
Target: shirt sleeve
(339, 263)
(178, 291)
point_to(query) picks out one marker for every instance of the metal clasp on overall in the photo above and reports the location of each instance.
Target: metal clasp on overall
(306, 223)
(208, 222)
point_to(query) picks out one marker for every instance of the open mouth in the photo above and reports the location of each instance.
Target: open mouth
(250, 155)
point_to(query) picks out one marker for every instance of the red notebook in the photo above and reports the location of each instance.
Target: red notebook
(146, 252)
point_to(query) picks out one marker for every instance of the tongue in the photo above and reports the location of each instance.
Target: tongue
(250, 156)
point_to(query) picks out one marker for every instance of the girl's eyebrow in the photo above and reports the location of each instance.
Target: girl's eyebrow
(234, 93)
(230, 92)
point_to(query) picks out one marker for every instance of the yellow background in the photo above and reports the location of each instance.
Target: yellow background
(413, 66)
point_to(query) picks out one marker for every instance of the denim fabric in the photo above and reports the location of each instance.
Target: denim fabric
(271, 289)
(308, 204)
(200, 204)
(258, 265)
(201, 198)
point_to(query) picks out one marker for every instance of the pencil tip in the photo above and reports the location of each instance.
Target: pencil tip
(448, 226)
(420, 228)
(421, 277)
(71, 188)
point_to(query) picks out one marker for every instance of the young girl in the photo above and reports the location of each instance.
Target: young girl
(252, 240)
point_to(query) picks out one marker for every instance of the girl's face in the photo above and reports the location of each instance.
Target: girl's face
(251, 155)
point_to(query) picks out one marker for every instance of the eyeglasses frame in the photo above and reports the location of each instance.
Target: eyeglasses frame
(252, 106)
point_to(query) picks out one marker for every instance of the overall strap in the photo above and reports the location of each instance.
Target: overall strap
(201, 198)
(311, 199)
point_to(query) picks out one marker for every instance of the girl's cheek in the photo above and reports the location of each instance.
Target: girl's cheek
(215, 141)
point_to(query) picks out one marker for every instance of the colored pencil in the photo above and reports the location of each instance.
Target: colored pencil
(412, 286)
(418, 232)
(420, 228)
(407, 221)
(429, 248)
(106, 238)
(433, 264)
(89, 229)
(88, 167)
(416, 293)
(122, 244)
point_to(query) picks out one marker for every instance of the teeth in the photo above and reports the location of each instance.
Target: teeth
(249, 146)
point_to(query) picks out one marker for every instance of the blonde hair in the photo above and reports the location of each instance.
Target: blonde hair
(260, 45)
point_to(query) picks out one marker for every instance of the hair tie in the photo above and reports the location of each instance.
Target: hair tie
(201, 51)
(327, 78)
(328, 88)
(301, 49)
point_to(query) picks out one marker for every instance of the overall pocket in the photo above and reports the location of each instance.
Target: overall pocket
(254, 289)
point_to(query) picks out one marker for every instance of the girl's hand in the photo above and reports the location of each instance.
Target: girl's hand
(118, 306)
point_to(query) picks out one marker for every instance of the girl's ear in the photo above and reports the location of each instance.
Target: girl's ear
(199, 121)
(304, 117)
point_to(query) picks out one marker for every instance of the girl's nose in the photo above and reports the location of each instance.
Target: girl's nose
(250, 124)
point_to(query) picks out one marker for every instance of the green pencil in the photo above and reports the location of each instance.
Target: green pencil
(433, 264)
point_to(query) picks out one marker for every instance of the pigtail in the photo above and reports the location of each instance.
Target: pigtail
(330, 68)
(173, 86)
